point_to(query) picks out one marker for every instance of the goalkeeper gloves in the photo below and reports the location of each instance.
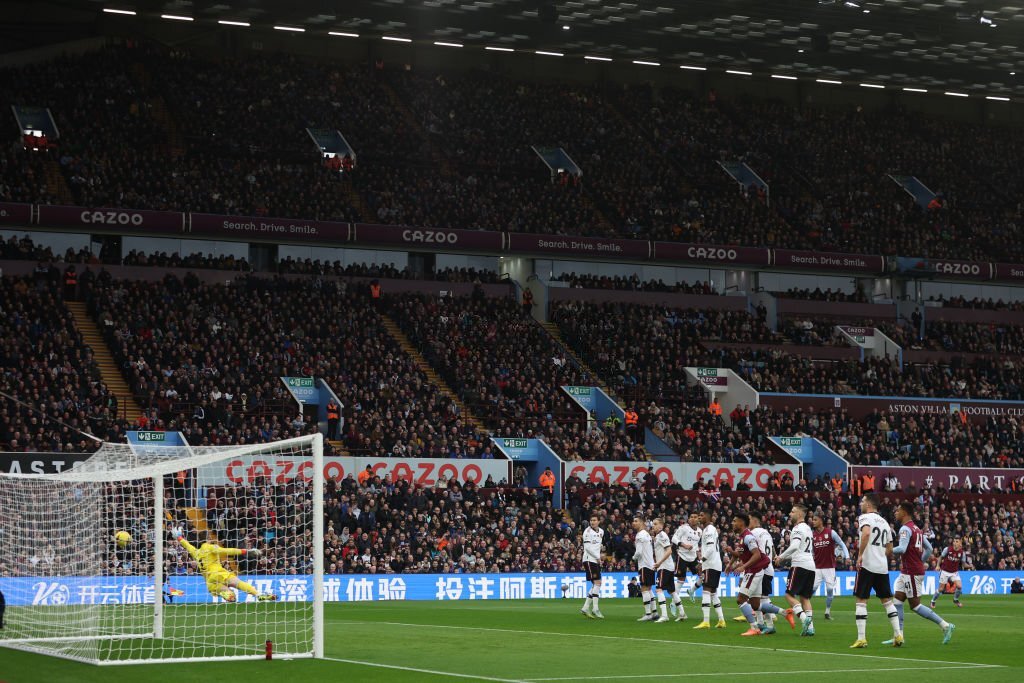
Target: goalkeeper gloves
(252, 553)
(177, 532)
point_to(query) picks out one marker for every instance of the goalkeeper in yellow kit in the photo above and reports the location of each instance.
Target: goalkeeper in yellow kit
(219, 581)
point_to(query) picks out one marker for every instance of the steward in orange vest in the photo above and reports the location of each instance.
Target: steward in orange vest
(333, 420)
(715, 409)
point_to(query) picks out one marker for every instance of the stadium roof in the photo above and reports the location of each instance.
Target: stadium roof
(961, 44)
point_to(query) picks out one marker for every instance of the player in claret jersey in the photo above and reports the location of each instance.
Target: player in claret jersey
(914, 549)
(750, 565)
(766, 612)
(949, 571)
(827, 545)
(874, 548)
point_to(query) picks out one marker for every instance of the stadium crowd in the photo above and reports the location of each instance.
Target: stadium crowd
(385, 526)
(454, 150)
(839, 296)
(651, 347)
(499, 360)
(195, 364)
(633, 283)
(198, 365)
(49, 372)
(25, 249)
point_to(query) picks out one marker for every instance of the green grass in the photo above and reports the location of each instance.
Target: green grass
(535, 640)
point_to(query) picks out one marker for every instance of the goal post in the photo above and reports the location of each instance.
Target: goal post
(73, 591)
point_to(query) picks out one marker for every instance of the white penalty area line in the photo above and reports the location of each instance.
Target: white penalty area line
(597, 636)
(746, 673)
(449, 674)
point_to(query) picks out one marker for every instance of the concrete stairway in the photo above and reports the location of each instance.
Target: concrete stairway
(556, 334)
(438, 157)
(157, 108)
(109, 371)
(602, 218)
(55, 181)
(162, 115)
(355, 199)
(396, 333)
(197, 518)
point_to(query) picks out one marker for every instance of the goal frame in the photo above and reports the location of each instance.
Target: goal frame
(316, 444)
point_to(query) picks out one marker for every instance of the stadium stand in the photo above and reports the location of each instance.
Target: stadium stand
(508, 370)
(49, 370)
(453, 150)
(381, 526)
(632, 283)
(197, 364)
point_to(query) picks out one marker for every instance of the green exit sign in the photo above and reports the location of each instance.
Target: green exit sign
(579, 391)
(791, 441)
(152, 436)
(514, 443)
(300, 381)
(707, 372)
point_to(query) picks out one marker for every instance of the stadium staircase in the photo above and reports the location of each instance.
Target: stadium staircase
(175, 141)
(56, 183)
(439, 159)
(642, 138)
(197, 519)
(109, 372)
(556, 335)
(600, 211)
(396, 333)
(356, 200)
(161, 115)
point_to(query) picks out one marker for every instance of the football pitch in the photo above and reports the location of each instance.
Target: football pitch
(549, 640)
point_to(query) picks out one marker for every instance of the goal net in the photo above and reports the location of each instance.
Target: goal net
(77, 587)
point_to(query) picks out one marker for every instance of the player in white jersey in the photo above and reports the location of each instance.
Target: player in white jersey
(593, 545)
(710, 552)
(874, 548)
(800, 554)
(664, 572)
(766, 611)
(644, 558)
(686, 539)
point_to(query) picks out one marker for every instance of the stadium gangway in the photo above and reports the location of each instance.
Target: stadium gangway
(915, 188)
(331, 143)
(746, 177)
(35, 120)
(558, 161)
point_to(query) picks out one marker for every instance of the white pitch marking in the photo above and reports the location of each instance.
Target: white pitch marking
(667, 642)
(450, 674)
(750, 673)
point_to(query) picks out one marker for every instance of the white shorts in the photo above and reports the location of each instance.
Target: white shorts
(750, 584)
(911, 586)
(828, 576)
(946, 577)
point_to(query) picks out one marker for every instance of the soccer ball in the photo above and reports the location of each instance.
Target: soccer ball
(122, 538)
